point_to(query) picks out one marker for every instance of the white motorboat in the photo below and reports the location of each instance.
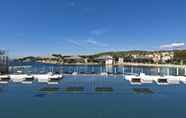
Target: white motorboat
(161, 80)
(146, 78)
(134, 79)
(18, 77)
(165, 80)
(182, 79)
(48, 78)
(173, 79)
(55, 78)
(43, 78)
(4, 79)
(74, 73)
(128, 77)
(104, 74)
(28, 79)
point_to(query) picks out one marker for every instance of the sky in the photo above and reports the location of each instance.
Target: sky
(42, 27)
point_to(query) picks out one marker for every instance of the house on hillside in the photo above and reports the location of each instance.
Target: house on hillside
(167, 56)
(157, 57)
(73, 59)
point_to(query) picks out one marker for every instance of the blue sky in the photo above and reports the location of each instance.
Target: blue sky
(41, 27)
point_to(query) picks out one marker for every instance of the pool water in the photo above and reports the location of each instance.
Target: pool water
(92, 97)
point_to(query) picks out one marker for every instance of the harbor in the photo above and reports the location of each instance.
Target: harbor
(92, 58)
(135, 74)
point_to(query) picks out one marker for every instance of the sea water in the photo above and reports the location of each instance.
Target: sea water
(92, 97)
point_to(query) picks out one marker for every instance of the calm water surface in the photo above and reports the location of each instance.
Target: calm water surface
(92, 69)
(121, 100)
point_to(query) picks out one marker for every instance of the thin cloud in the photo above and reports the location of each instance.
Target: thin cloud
(98, 32)
(94, 42)
(72, 4)
(75, 43)
(90, 42)
(172, 46)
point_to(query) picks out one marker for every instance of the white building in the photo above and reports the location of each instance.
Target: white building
(120, 60)
(108, 60)
(157, 58)
(166, 56)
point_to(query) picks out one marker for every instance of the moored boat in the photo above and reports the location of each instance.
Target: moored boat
(75, 73)
(104, 74)
(4, 79)
(146, 79)
(173, 79)
(18, 77)
(182, 79)
(48, 78)
(161, 80)
(134, 79)
(28, 79)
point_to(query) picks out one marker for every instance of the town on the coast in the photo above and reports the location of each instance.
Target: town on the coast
(173, 54)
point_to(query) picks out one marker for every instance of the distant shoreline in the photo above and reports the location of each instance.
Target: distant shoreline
(152, 65)
(125, 64)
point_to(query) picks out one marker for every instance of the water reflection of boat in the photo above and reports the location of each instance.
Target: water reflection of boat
(74, 89)
(103, 89)
(4, 79)
(53, 81)
(40, 95)
(143, 91)
(49, 89)
(28, 79)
